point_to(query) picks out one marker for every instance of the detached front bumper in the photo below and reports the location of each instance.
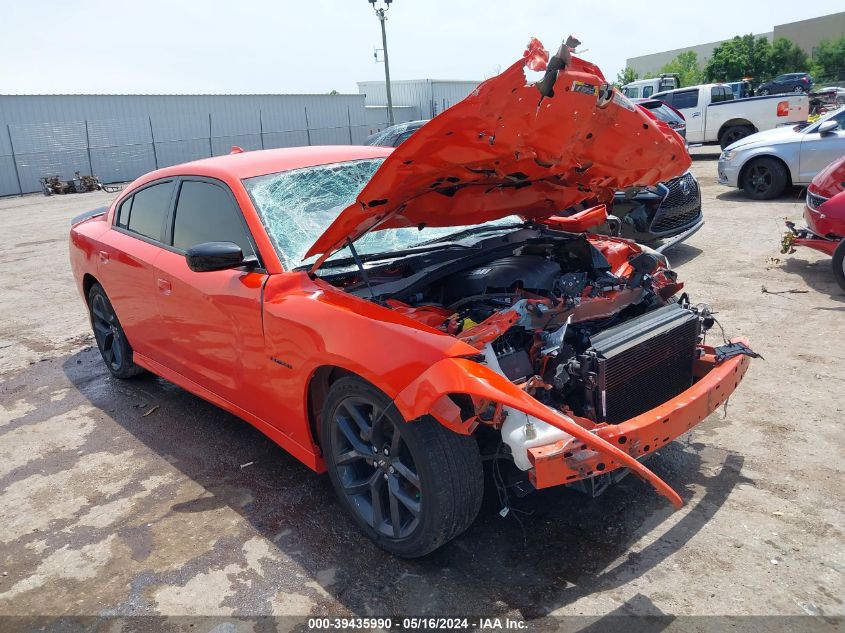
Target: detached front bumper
(795, 236)
(567, 461)
(592, 449)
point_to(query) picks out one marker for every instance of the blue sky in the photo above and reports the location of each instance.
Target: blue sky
(156, 46)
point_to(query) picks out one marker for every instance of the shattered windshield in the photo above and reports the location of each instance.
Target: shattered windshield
(297, 206)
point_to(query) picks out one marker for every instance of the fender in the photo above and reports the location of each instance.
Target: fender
(427, 395)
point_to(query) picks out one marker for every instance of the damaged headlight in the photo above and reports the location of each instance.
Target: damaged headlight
(727, 155)
(658, 256)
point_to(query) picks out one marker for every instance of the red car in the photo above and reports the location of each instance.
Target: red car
(824, 212)
(443, 314)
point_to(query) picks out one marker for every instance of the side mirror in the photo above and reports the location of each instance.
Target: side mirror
(211, 256)
(827, 127)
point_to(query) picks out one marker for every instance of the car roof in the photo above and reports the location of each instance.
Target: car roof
(260, 162)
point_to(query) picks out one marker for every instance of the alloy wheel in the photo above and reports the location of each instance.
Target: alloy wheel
(375, 468)
(106, 331)
(760, 177)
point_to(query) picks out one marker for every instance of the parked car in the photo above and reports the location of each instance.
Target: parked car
(765, 164)
(667, 213)
(713, 115)
(430, 329)
(824, 213)
(789, 82)
(644, 88)
(392, 136)
(835, 94)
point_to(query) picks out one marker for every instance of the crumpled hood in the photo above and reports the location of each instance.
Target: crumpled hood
(513, 147)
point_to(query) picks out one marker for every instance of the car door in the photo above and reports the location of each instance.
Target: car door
(211, 319)
(819, 150)
(689, 104)
(127, 257)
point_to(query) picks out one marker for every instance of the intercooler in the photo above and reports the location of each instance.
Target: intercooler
(643, 362)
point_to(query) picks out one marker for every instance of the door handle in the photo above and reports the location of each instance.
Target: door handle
(164, 286)
(104, 257)
(696, 114)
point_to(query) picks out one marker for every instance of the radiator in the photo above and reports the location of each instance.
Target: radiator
(643, 362)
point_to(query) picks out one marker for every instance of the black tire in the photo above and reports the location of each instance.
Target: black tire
(734, 133)
(764, 178)
(427, 481)
(111, 341)
(839, 264)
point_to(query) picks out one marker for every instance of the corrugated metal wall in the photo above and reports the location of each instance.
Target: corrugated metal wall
(430, 96)
(120, 137)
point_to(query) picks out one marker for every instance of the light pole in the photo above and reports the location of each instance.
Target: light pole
(380, 12)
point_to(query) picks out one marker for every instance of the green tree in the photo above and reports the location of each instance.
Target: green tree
(742, 56)
(787, 57)
(625, 76)
(829, 59)
(686, 67)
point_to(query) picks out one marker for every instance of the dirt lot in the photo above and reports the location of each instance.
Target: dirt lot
(128, 498)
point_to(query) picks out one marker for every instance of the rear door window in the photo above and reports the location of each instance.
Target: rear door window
(647, 91)
(685, 99)
(207, 212)
(149, 207)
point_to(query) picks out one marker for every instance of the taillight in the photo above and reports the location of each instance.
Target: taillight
(805, 80)
(783, 108)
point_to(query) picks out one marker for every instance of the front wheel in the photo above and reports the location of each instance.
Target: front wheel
(411, 486)
(111, 341)
(839, 264)
(765, 178)
(799, 90)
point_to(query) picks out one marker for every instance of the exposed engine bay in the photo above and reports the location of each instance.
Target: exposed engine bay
(589, 327)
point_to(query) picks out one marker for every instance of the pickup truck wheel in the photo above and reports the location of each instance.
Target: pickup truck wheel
(764, 92)
(111, 341)
(764, 178)
(733, 134)
(410, 486)
(839, 264)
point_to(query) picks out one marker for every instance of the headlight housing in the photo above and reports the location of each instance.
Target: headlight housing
(727, 155)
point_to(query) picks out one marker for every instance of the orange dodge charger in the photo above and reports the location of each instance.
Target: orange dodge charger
(395, 317)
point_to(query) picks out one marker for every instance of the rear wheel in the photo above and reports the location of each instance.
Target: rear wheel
(764, 92)
(765, 178)
(839, 264)
(733, 134)
(411, 486)
(798, 90)
(111, 341)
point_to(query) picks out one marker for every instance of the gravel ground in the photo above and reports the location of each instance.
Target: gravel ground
(136, 498)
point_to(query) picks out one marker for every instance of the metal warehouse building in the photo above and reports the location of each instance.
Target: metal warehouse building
(120, 137)
(416, 98)
(805, 33)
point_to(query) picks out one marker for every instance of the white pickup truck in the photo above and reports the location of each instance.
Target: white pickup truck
(714, 116)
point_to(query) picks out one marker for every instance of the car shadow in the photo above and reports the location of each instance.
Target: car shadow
(681, 253)
(554, 547)
(791, 195)
(817, 274)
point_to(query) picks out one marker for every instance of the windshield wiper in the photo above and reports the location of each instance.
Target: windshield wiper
(473, 231)
(374, 257)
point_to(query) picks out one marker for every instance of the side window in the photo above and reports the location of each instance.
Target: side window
(634, 93)
(720, 93)
(149, 208)
(647, 91)
(206, 212)
(685, 99)
(123, 213)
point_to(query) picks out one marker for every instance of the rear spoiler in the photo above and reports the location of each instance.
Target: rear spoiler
(93, 213)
